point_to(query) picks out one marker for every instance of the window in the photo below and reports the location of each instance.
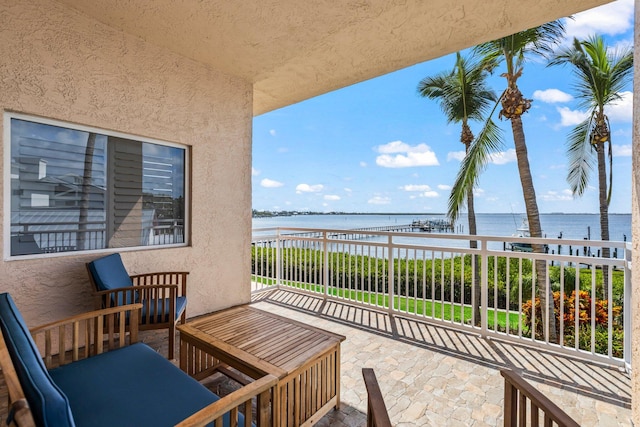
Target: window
(76, 189)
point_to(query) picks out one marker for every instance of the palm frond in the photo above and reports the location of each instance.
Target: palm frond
(462, 93)
(488, 141)
(514, 49)
(601, 75)
(580, 153)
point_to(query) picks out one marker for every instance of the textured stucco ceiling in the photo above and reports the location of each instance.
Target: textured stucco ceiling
(292, 50)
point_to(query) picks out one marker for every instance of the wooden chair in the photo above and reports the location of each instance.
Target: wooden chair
(162, 295)
(523, 405)
(377, 415)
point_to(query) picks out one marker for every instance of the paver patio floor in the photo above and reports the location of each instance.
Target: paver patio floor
(433, 376)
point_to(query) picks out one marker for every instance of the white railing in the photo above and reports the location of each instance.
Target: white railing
(440, 279)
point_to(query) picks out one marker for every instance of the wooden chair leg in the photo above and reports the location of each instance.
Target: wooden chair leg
(172, 339)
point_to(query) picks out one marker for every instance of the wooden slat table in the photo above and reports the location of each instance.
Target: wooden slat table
(305, 359)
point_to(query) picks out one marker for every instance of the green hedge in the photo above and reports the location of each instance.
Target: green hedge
(361, 272)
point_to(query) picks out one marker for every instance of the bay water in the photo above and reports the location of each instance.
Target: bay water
(569, 226)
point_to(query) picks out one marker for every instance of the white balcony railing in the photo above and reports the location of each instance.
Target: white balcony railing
(438, 278)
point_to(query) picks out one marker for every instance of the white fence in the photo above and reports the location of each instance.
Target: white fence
(488, 289)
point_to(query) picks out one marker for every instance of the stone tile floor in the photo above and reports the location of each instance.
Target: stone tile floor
(433, 376)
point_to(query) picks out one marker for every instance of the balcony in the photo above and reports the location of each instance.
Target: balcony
(405, 303)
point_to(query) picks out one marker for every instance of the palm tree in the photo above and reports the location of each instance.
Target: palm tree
(513, 50)
(601, 75)
(463, 95)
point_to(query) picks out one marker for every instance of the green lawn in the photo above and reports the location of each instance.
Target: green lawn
(402, 304)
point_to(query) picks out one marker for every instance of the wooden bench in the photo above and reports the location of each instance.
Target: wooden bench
(377, 415)
(522, 401)
(95, 373)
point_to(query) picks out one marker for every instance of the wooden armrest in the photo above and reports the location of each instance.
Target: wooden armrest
(230, 403)
(161, 273)
(135, 288)
(85, 333)
(86, 316)
(376, 409)
(517, 390)
(17, 402)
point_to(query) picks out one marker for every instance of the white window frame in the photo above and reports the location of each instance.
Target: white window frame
(8, 116)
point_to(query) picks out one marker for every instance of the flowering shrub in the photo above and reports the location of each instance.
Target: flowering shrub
(569, 312)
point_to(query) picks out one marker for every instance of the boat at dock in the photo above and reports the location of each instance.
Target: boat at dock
(431, 225)
(523, 231)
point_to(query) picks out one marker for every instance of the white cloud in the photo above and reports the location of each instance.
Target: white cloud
(347, 190)
(393, 147)
(552, 96)
(621, 45)
(272, 132)
(331, 197)
(379, 200)
(612, 19)
(503, 157)
(569, 117)
(621, 110)
(478, 192)
(555, 196)
(306, 188)
(414, 187)
(444, 187)
(456, 155)
(622, 150)
(429, 194)
(269, 183)
(283, 150)
(363, 164)
(255, 172)
(398, 154)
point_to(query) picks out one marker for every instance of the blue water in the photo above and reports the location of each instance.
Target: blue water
(572, 226)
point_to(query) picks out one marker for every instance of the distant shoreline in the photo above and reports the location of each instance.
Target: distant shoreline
(269, 214)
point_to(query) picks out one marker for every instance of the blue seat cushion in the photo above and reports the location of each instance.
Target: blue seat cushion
(160, 313)
(49, 405)
(131, 386)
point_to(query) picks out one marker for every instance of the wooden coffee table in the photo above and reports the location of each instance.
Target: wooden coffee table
(304, 358)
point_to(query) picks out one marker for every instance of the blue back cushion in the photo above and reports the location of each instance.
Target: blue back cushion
(49, 405)
(109, 273)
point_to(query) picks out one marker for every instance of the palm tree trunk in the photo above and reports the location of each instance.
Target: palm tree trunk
(533, 216)
(83, 232)
(473, 244)
(604, 214)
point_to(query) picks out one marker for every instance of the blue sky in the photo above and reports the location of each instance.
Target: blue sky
(377, 146)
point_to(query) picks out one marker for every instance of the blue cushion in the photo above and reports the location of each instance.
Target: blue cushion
(181, 304)
(109, 273)
(49, 405)
(131, 386)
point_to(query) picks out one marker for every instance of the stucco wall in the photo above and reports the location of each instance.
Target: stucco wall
(58, 63)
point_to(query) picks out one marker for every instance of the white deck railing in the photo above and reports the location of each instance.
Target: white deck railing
(431, 277)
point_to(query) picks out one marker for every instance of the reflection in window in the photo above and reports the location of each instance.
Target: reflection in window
(77, 190)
